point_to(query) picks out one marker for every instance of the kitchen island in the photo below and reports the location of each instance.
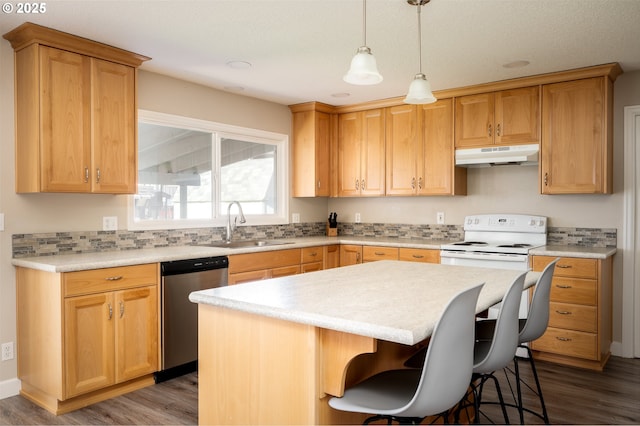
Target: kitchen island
(274, 352)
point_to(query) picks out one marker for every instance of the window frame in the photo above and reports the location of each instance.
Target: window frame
(219, 131)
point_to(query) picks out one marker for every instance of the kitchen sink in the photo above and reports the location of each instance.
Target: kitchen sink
(248, 243)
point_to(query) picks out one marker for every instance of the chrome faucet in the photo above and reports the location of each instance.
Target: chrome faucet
(231, 228)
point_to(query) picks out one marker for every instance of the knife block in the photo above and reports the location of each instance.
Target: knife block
(332, 232)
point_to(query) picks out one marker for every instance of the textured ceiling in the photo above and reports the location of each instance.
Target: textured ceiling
(300, 49)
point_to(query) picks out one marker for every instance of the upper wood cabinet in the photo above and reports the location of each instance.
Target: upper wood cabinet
(312, 135)
(506, 117)
(361, 156)
(76, 126)
(577, 140)
(420, 152)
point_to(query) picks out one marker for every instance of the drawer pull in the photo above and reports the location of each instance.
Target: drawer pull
(121, 309)
(418, 256)
(110, 310)
(379, 253)
(563, 266)
(563, 339)
(116, 278)
(563, 312)
(563, 286)
(313, 254)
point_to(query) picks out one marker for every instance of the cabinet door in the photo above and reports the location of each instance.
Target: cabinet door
(331, 256)
(65, 130)
(517, 116)
(88, 343)
(574, 147)
(350, 254)
(403, 149)
(372, 159)
(310, 153)
(349, 147)
(136, 330)
(437, 174)
(114, 127)
(474, 120)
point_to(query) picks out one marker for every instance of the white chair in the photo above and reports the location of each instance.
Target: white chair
(530, 329)
(410, 395)
(496, 352)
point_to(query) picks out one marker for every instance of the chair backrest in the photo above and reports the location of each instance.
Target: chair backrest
(497, 353)
(447, 366)
(538, 315)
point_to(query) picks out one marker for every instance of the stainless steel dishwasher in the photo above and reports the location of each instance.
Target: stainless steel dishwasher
(179, 316)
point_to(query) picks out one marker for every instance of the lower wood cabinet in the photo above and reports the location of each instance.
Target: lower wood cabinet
(350, 254)
(419, 255)
(374, 253)
(261, 266)
(579, 330)
(100, 339)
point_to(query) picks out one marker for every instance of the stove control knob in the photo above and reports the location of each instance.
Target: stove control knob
(532, 222)
(541, 222)
(469, 221)
(476, 221)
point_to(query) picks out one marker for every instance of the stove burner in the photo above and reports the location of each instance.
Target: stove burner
(518, 245)
(470, 243)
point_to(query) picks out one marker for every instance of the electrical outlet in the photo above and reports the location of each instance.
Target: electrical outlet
(358, 218)
(295, 217)
(1, 221)
(440, 218)
(7, 351)
(110, 223)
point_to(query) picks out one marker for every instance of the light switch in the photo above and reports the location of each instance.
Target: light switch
(1, 221)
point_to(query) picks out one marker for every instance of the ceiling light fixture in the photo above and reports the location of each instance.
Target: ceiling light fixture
(419, 89)
(363, 70)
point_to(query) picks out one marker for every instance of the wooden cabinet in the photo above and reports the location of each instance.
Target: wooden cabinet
(506, 117)
(579, 330)
(312, 259)
(577, 142)
(331, 256)
(419, 255)
(361, 153)
(420, 157)
(260, 266)
(86, 336)
(310, 150)
(350, 254)
(75, 113)
(374, 253)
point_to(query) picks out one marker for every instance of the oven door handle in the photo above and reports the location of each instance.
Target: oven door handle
(484, 256)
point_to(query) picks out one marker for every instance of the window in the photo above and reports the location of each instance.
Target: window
(190, 170)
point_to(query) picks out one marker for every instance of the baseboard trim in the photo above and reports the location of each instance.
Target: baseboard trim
(617, 349)
(9, 388)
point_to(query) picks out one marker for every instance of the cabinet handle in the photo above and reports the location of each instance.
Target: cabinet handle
(489, 130)
(362, 184)
(546, 182)
(314, 254)
(498, 130)
(417, 256)
(563, 266)
(357, 184)
(318, 184)
(563, 339)
(116, 278)
(98, 175)
(110, 310)
(86, 174)
(379, 253)
(564, 286)
(413, 183)
(358, 257)
(420, 183)
(563, 312)
(121, 309)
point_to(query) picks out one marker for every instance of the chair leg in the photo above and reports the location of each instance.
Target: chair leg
(544, 416)
(478, 400)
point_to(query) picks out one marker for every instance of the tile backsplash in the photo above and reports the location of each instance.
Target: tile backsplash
(54, 243)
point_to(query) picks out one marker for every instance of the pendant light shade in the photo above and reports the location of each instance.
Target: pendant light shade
(364, 69)
(420, 91)
(420, 88)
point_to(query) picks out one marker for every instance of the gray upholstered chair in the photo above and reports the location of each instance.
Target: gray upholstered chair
(410, 395)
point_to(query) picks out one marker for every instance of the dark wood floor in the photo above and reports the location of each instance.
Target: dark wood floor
(573, 396)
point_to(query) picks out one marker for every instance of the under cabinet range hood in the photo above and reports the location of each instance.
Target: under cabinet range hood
(498, 155)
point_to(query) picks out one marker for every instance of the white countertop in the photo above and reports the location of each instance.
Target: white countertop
(389, 300)
(110, 259)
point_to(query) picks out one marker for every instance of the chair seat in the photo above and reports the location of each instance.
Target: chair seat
(384, 393)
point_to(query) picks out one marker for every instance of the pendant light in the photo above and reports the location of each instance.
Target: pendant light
(419, 89)
(363, 70)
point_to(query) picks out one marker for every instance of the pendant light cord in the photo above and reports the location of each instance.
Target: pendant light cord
(419, 39)
(364, 22)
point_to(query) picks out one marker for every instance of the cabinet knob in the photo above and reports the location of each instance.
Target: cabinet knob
(357, 184)
(110, 310)
(420, 183)
(489, 130)
(121, 309)
(362, 184)
(498, 130)
(98, 175)
(86, 174)
(546, 180)
(413, 183)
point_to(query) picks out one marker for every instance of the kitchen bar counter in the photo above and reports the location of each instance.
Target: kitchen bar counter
(273, 352)
(109, 259)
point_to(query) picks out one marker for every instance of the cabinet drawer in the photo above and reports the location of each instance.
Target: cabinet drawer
(265, 260)
(568, 342)
(372, 253)
(574, 290)
(312, 254)
(284, 271)
(109, 279)
(245, 277)
(573, 317)
(311, 267)
(568, 266)
(419, 255)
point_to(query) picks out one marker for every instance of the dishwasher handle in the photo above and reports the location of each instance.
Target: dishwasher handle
(188, 266)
